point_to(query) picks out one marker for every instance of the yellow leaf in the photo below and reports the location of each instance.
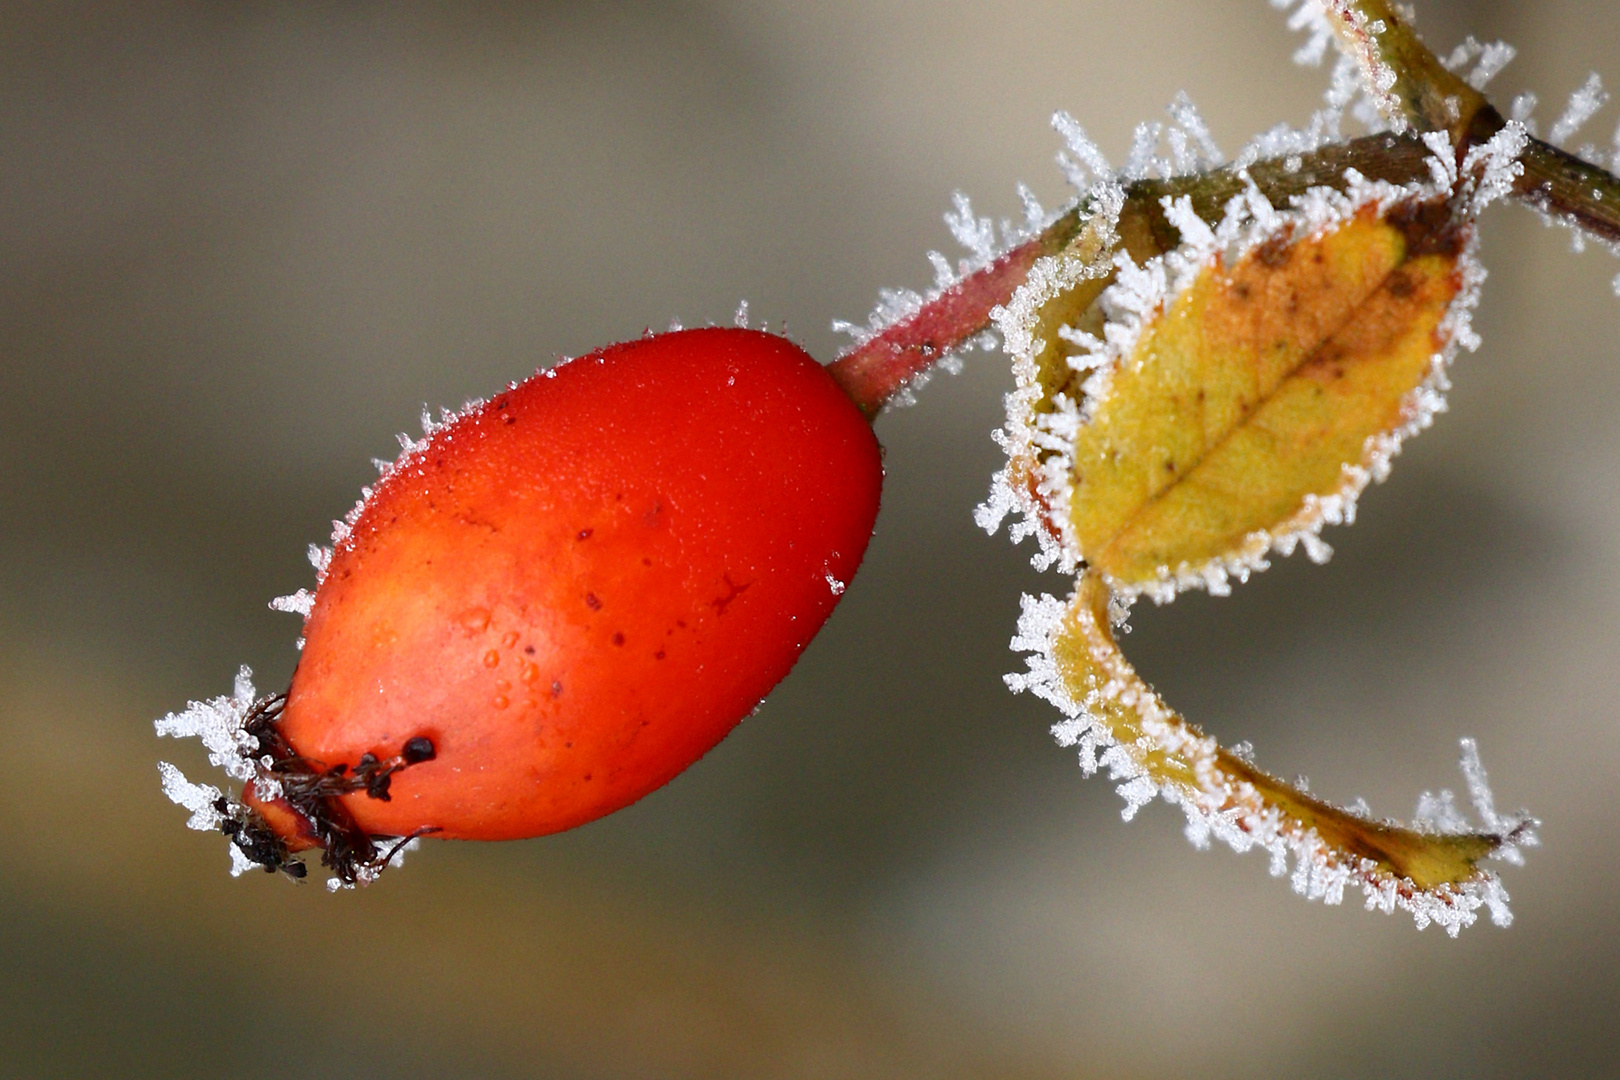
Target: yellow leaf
(1259, 387)
(1155, 751)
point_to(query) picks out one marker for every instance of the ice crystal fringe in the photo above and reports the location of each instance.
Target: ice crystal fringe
(984, 241)
(1224, 807)
(1030, 435)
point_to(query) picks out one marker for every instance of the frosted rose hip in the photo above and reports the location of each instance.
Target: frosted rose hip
(577, 589)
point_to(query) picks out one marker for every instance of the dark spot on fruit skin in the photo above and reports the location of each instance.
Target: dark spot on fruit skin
(584, 534)
(723, 602)
(618, 637)
(529, 649)
(587, 776)
(646, 562)
(510, 419)
(659, 655)
(592, 602)
(556, 688)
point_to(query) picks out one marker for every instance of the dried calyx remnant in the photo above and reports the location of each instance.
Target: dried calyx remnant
(239, 731)
(1213, 359)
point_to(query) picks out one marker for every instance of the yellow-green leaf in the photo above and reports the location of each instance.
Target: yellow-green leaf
(1157, 752)
(1258, 387)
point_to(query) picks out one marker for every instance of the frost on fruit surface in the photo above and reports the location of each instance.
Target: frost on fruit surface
(1116, 722)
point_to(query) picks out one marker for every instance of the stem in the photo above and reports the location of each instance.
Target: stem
(876, 370)
(1431, 98)
(879, 368)
(1576, 191)
(1424, 94)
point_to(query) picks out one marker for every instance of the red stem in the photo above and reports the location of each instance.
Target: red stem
(877, 369)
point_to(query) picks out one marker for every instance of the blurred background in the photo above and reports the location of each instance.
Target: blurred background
(242, 245)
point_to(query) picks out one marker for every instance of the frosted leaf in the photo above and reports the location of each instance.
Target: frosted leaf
(1117, 721)
(1582, 105)
(1139, 296)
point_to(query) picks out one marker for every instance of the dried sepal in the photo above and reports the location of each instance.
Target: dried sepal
(1119, 723)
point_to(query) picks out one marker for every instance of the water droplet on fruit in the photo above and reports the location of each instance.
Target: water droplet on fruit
(474, 620)
(529, 673)
(499, 701)
(509, 639)
(492, 658)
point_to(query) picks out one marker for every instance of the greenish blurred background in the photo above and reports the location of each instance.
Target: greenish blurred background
(242, 245)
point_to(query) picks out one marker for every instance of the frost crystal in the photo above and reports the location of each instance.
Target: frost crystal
(1582, 105)
(1488, 61)
(298, 603)
(218, 722)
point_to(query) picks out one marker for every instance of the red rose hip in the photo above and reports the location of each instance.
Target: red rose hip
(565, 596)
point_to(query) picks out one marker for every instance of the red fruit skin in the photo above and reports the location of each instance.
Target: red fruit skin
(580, 587)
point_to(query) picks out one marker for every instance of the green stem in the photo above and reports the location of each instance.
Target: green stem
(1573, 190)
